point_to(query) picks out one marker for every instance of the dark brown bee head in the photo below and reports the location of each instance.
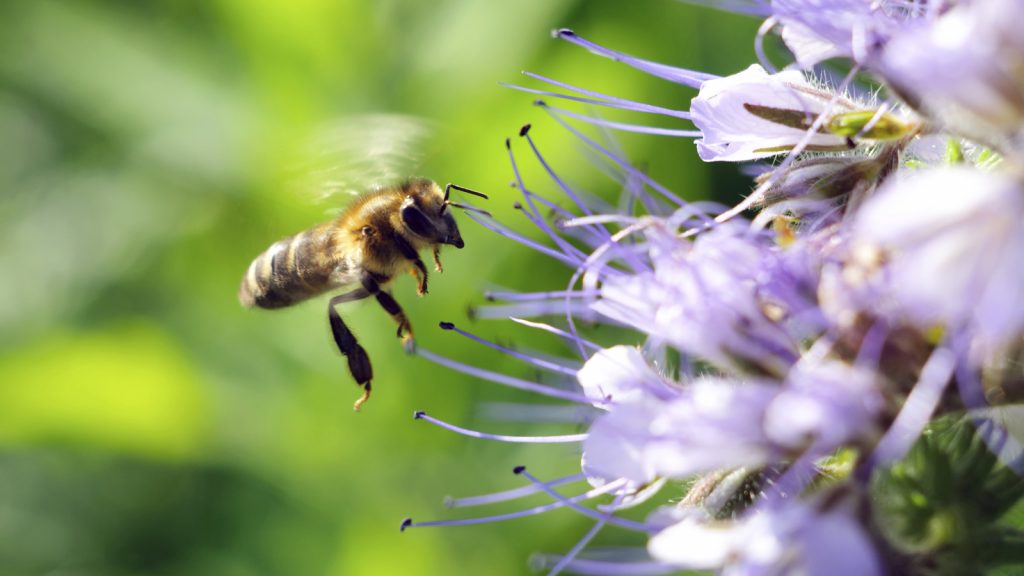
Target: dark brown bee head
(452, 235)
(426, 213)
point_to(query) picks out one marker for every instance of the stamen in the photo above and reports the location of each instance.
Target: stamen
(598, 98)
(556, 331)
(531, 296)
(605, 568)
(539, 362)
(596, 257)
(917, 409)
(539, 221)
(870, 353)
(588, 495)
(537, 413)
(514, 494)
(567, 438)
(622, 163)
(759, 8)
(599, 231)
(625, 127)
(634, 186)
(502, 378)
(613, 520)
(600, 219)
(536, 309)
(671, 73)
(763, 31)
(498, 228)
(572, 553)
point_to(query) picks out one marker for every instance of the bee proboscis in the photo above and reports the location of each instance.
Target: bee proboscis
(377, 237)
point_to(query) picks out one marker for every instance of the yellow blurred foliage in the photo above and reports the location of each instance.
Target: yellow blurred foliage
(127, 388)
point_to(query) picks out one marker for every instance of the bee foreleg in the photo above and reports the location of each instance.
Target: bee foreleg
(358, 361)
(437, 259)
(420, 270)
(391, 306)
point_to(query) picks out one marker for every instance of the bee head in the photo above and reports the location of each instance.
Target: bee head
(452, 235)
(428, 215)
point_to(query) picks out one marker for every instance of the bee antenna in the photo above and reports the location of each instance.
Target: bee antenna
(467, 207)
(448, 188)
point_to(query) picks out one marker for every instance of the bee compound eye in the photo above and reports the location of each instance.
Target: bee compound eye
(367, 231)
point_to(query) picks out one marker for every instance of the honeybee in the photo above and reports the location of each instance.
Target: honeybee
(378, 236)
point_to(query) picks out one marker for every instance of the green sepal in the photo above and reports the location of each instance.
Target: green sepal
(853, 124)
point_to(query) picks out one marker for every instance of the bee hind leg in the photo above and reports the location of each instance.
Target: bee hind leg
(391, 306)
(358, 361)
(362, 399)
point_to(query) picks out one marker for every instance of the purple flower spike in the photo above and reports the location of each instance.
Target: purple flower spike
(833, 387)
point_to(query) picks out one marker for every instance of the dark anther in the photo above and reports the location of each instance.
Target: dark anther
(405, 524)
(540, 103)
(519, 470)
(517, 205)
(508, 143)
(446, 326)
(524, 130)
(564, 32)
(418, 414)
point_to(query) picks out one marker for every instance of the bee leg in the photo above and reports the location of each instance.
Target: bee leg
(404, 328)
(362, 399)
(420, 270)
(390, 305)
(420, 273)
(437, 259)
(358, 361)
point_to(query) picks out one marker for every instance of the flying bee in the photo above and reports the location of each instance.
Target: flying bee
(377, 237)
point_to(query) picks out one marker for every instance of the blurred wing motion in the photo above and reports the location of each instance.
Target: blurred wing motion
(361, 153)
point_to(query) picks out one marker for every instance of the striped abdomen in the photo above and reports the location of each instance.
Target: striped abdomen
(292, 270)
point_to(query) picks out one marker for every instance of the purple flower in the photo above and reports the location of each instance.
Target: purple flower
(796, 539)
(703, 298)
(965, 69)
(829, 328)
(826, 405)
(816, 30)
(952, 252)
(713, 424)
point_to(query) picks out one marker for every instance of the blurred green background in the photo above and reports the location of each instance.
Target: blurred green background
(148, 423)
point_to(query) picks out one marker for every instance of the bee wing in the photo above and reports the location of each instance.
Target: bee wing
(360, 153)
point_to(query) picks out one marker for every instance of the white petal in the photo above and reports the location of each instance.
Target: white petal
(619, 374)
(732, 133)
(693, 545)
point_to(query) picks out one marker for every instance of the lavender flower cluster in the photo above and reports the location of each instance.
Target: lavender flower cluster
(833, 382)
